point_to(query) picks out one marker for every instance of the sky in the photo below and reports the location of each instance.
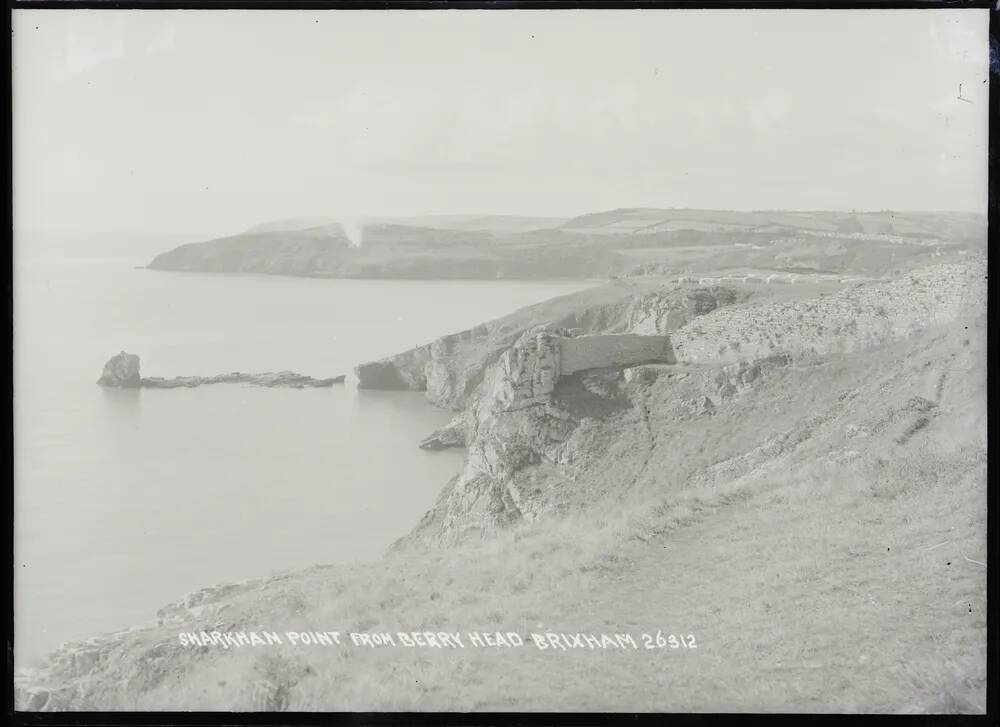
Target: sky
(208, 122)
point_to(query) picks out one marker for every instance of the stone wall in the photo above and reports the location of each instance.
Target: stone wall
(527, 372)
(848, 320)
(623, 349)
(452, 368)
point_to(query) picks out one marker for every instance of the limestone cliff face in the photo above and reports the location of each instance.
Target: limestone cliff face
(508, 424)
(526, 374)
(443, 368)
(451, 369)
(403, 371)
(450, 435)
(544, 436)
(655, 313)
(551, 451)
(521, 417)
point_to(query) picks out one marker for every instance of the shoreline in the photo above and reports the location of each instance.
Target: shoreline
(491, 505)
(596, 279)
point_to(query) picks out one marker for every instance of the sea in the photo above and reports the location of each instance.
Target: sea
(126, 500)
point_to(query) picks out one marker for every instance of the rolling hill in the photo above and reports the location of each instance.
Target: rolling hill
(604, 244)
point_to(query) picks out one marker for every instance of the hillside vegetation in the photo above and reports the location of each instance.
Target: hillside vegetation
(613, 243)
(811, 522)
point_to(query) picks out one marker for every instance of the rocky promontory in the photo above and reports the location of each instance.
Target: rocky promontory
(450, 369)
(640, 444)
(546, 425)
(393, 251)
(122, 371)
(601, 244)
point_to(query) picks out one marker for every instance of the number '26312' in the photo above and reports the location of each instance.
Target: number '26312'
(672, 641)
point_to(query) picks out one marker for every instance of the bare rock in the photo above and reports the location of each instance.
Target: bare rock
(121, 371)
(269, 379)
(451, 369)
(450, 435)
(404, 371)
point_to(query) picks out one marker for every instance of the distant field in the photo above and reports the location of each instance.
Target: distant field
(595, 245)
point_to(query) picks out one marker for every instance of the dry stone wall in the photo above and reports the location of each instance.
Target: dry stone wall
(527, 373)
(848, 320)
(623, 349)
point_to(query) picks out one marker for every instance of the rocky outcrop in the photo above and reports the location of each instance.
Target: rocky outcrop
(121, 371)
(541, 434)
(655, 313)
(848, 320)
(270, 379)
(451, 369)
(526, 374)
(450, 435)
(403, 371)
(640, 451)
(448, 370)
(531, 400)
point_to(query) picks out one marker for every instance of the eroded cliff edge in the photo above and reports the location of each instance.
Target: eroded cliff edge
(564, 421)
(831, 428)
(450, 369)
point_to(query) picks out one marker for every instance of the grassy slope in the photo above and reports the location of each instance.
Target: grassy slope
(810, 577)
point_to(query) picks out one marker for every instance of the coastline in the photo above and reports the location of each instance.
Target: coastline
(565, 439)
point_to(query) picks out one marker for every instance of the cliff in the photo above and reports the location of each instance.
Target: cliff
(543, 429)
(451, 368)
(398, 251)
(826, 489)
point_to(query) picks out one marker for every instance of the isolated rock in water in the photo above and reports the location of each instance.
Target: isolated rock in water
(121, 371)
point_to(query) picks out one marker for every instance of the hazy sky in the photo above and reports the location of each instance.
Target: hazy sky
(211, 121)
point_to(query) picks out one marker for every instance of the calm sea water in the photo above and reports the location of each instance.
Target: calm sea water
(127, 500)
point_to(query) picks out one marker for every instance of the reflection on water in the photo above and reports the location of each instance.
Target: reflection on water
(122, 403)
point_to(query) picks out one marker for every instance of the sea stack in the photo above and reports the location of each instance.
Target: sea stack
(121, 371)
